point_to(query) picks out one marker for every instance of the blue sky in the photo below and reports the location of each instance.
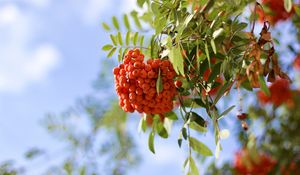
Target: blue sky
(50, 53)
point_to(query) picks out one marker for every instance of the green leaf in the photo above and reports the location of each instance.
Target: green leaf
(111, 52)
(207, 54)
(217, 150)
(115, 22)
(160, 24)
(127, 39)
(200, 147)
(135, 17)
(142, 124)
(218, 32)
(226, 112)
(155, 7)
(171, 115)
(107, 47)
(141, 2)
(179, 139)
(142, 41)
(183, 25)
(288, 5)
(161, 130)
(83, 170)
(159, 85)
(105, 26)
(68, 167)
(213, 46)
(193, 166)
(221, 92)
(215, 72)
(120, 55)
(126, 22)
(151, 142)
(120, 40)
(199, 102)
(177, 59)
(196, 127)
(297, 10)
(135, 38)
(113, 39)
(198, 119)
(185, 162)
(263, 85)
(33, 153)
(184, 133)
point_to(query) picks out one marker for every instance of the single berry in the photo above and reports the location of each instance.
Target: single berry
(178, 83)
(242, 116)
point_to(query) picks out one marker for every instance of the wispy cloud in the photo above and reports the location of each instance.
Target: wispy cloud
(22, 61)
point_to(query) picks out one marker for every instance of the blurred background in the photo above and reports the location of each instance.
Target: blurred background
(56, 83)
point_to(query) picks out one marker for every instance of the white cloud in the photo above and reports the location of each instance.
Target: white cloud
(39, 3)
(92, 10)
(22, 62)
(8, 14)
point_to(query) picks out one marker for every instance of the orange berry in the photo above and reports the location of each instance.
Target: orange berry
(166, 86)
(148, 67)
(137, 65)
(165, 63)
(116, 70)
(151, 74)
(147, 80)
(155, 63)
(146, 86)
(140, 58)
(143, 74)
(122, 72)
(139, 91)
(132, 96)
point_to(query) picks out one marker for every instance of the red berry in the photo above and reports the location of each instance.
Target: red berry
(178, 83)
(242, 116)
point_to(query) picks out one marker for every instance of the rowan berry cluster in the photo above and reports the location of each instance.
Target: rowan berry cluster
(136, 81)
(277, 11)
(245, 164)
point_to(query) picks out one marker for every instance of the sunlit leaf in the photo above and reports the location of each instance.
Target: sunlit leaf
(196, 127)
(226, 112)
(200, 147)
(107, 47)
(126, 22)
(288, 5)
(159, 83)
(151, 142)
(113, 39)
(135, 38)
(120, 40)
(193, 166)
(218, 32)
(134, 15)
(115, 22)
(105, 26)
(111, 52)
(127, 38)
(213, 45)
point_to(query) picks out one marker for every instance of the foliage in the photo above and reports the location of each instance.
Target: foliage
(211, 50)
